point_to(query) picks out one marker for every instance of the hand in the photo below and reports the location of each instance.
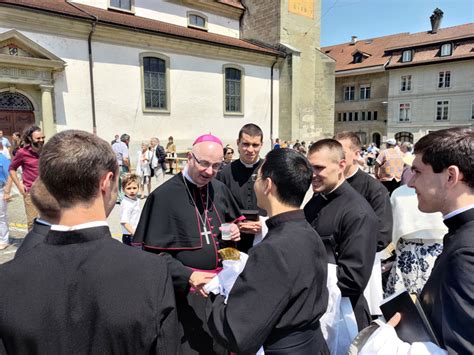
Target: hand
(199, 279)
(6, 196)
(22, 190)
(250, 227)
(397, 317)
(234, 232)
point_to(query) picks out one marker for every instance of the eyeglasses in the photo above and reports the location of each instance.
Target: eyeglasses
(255, 177)
(205, 164)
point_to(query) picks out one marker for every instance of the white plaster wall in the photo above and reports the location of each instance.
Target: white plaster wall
(176, 14)
(425, 93)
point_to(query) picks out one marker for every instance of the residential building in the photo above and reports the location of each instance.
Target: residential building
(410, 83)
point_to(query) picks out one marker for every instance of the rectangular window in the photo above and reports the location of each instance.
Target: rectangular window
(121, 4)
(369, 116)
(404, 112)
(446, 49)
(233, 90)
(365, 92)
(407, 56)
(362, 115)
(405, 83)
(356, 116)
(349, 92)
(375, 115)
(154, 75)
(350, 116)
(442, 110)
(472, 110)
(339, 117)
(344, 116)
(444, 79)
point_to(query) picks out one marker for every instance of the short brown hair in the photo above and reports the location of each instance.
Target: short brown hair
(330, 144)
(252, 130)
(452, 146)
(351, 136)
(72, 164)
(129, 178)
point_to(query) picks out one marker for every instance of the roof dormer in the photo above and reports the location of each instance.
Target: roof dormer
(359, 56)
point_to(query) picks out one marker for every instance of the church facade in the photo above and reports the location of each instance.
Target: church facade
(147, 68)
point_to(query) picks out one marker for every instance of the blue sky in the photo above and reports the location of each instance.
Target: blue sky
(342, 19)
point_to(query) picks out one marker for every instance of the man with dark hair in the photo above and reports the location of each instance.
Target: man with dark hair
(346, 223)
(181, 220)
(76, 292)
(278, 299)
(444, 182)
(237, 176)
(377, 196)
(27, 157)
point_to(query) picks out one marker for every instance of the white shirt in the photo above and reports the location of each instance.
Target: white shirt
(129, 213)
(458, 211)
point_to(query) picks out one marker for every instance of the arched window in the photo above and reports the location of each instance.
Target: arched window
(155, 69)
(376, 138)
(233, 83)
(197, 20)
(15, 102)
(404, 137)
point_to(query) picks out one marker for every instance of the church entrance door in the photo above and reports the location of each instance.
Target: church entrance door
(16, 113)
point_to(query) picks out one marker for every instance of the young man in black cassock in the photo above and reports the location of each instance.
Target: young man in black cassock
(444, 182)
(237, 176)
(181, 220)
(278, 299)
(346, 223)
(77, 291)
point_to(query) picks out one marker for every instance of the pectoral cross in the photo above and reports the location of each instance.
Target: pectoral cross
(206, 233)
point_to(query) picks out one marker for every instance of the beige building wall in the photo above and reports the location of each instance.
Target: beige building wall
(378, 101)
(306, 92)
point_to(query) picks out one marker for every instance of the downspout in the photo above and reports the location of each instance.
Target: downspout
(271, 103)
(91, 63)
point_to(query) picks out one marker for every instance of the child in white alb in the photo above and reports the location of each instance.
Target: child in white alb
(129, 207)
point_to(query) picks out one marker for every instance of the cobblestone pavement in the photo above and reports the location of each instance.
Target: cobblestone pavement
(18, 229)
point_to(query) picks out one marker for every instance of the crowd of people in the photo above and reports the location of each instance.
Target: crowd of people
(307, 279)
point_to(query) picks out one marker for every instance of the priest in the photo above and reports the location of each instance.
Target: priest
(278, 299)
(346, 223)
(77, 292)
(181, 221)
(237, 176)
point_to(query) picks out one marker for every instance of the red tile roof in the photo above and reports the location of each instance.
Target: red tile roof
(233, 3)
(387, 49)
(122, 19)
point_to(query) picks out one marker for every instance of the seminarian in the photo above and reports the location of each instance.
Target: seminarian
(278, 299)
(77, 292)
(346, 223)
(237, 176)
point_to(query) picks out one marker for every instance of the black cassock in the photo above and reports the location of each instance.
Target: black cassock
(169, 224)
(448, 295)
(238, 178)
(377, 196)
(82, 292)
(34, 237)
(346, 222)
(278, 299)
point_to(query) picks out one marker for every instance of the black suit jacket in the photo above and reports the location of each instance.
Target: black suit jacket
(33, 238)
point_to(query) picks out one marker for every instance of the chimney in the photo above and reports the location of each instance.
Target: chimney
(435, 20)
(353, 40)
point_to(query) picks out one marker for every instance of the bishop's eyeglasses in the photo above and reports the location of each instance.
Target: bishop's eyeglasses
(205, 164)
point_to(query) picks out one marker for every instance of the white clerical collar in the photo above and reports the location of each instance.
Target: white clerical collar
(249, 165)
(42, 221)
(61, 228)
(186, 175)
(458, 211)
(355, 172)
